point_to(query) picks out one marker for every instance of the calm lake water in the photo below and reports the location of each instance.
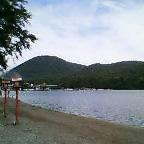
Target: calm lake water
(125, 106)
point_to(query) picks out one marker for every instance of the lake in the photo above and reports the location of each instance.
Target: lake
(122, 106)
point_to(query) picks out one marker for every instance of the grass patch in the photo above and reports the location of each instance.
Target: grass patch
(1, 111)
(1, 115)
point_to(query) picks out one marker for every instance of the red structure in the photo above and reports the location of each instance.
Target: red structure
(6, 84)
(17, 105)
(16, 79)
(5, 101)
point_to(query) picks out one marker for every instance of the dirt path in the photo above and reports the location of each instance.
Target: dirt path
(41, 126)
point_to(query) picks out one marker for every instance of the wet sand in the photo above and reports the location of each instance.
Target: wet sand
(42, 126)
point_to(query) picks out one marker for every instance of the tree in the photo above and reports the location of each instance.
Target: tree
(14, 37)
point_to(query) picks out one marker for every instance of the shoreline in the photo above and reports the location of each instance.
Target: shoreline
(85, 116)
(79, 115)
(42, 126)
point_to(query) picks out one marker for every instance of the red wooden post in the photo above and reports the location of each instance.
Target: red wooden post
(16, 79)
(5, 99)
(17, 105)
(5, 102)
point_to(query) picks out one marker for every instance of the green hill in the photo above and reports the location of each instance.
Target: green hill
(121, 75)
(53, 70)
(44, 68)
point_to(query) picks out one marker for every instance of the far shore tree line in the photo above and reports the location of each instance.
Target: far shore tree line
(119, 80)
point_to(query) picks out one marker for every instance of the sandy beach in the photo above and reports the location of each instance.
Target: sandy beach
(42, 126)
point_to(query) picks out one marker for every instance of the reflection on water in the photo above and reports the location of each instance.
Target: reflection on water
(120, 106)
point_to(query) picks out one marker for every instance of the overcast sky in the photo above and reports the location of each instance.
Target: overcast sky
(87, 31)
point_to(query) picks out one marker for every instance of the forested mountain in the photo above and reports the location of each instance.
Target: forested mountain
(121, 75)
(53, 70)
(45, 67)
